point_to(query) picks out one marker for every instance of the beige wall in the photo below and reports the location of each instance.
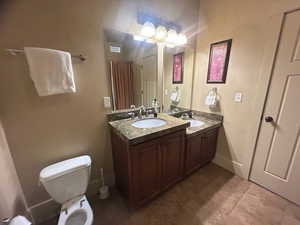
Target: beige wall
(43, 130)
(12, 199)
(254, 27)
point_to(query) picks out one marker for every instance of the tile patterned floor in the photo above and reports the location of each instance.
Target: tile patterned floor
(211, 196)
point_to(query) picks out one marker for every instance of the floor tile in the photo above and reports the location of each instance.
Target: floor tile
(293, 210)
(210, 196)
(255, 211)
(289, 220)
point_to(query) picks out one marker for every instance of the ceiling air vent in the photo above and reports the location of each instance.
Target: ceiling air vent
(115, 49)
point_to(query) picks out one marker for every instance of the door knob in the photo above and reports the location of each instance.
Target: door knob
(269, 119)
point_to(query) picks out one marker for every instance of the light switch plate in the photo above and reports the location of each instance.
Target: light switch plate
(238, 97)
(107, 102)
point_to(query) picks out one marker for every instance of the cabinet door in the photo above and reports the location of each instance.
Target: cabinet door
(194, 153)
(172, 147)
(201, 150)
(146, 171)
(209, 145)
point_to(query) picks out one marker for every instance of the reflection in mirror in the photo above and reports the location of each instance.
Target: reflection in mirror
(132, 67)
(178, 77)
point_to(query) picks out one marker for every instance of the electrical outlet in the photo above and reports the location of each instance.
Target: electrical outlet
(238, 97)
(107, 102)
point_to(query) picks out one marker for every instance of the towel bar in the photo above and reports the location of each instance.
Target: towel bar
(18, 51)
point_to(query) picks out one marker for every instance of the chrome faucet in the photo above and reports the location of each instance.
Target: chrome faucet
(132, 113)
(141, 112)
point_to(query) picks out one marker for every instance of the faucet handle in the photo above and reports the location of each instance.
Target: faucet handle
(6, 220)
(131, 114)
(132, 106)
(65, 210)
(185, 116)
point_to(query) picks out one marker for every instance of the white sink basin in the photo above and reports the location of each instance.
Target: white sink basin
(196, 123)
(149, 123)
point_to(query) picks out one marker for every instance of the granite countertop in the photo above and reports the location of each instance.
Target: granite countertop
(208, 124)
(138, 135)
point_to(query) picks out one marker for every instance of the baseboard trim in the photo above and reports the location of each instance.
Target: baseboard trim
(49, 209)
(228, 164)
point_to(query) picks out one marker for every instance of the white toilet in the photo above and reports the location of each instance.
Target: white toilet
(66, 182)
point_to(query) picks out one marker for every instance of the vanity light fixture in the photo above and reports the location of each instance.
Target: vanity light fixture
(150, 40)
(148, 30)
(182, 40)
(170, 45)
(170, 38)
(138, 38)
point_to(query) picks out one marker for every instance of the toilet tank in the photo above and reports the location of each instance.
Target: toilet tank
(67, 179)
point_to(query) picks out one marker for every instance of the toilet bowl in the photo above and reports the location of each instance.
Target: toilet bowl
(67, 182)
(78, 212)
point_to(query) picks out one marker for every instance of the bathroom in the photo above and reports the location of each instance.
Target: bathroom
(38, 131)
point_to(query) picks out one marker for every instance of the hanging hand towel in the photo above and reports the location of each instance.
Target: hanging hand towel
(51, 70)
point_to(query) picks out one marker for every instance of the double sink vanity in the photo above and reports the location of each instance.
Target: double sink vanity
(152, 154)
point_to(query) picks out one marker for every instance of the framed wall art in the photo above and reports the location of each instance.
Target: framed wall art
(218, 61)
(178, 68)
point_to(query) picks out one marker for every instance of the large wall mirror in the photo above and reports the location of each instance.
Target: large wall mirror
(140, 73)
(178, 72)
(132, 68)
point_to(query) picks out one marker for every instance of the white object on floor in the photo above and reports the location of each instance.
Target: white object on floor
(66, 182)
(104, 192)
(51, 70)
(20, 220)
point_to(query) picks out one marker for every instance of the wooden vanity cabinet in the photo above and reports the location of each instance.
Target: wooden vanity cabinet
(200, 150)
(145, 170)
(172, 152)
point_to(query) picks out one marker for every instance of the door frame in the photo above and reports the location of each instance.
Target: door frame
(268, 65)
(143, 74)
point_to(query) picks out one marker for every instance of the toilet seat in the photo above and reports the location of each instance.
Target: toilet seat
(77, 212)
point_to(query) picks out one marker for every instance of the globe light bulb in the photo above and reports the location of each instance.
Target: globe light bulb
(182, 39)
(148, 30)
(171, 37)
(161, 33)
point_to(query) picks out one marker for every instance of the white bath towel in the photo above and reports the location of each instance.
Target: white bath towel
(51, 70)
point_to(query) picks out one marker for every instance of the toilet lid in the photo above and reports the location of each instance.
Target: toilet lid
(58, 169)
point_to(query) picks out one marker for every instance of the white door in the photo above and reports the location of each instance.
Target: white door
(276, 163)
(149, 79)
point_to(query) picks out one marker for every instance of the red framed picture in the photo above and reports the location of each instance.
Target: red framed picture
(178, 68)
(218, 61)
